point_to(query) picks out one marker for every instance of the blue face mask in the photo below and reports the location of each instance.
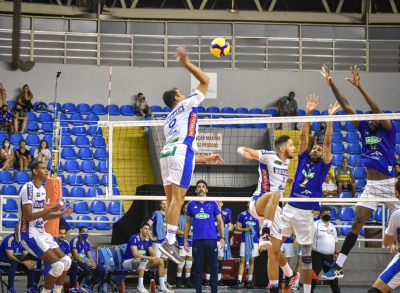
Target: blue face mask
(85, 236)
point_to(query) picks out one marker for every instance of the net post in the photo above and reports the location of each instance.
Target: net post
(110, 168)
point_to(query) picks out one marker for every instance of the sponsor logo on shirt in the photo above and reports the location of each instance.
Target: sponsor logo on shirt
(279, 171)
(192, 124)
(265, 180)
(372, 139)
(38, 204)
(250, 223)
(142, 252)
(30, 192)
(37, 194)
(377, 154)
(173, 114)
(39, 224)
(278, 163)
(306, 192)
(202, 215)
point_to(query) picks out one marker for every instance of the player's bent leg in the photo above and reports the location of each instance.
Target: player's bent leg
(380, 287)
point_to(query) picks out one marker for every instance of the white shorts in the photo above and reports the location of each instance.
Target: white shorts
(221, 250)
(183, 252)
(378, 189)
(288, 249)
(299, 249)
(157, 250)
(301, 222)
(391, 275)
(254, 253)
(39, 244)
(177, 165)
(276, 227)
(138, 263)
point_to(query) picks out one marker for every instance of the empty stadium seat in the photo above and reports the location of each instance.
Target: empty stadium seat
(102, 167)
(21, 177)
(78, 192)
(98, 207)
(346, 214)
(85, 154)
(114, 208)
(32, 140)
(354, 148)
(344, 195)
(242, 110)
(349, 127)
(65, 131)
(362, 232)
(74, 179)
(337, 148)
(301, 112)
(88, 167)
(94, 192)
(341, 112)
(47, 128)
(71, 166)
(15, 138)
(9, 190)
(379, 214)
(337, 159)
(371, 218)
(99, 142)
(53, 107)
(32, 151)
(337, 137)
(116, 218)
(228, 110)
(316, 113)
(69, 219)
(84, 221)
(167, 109)
(359, 173)
(104, 180)
(66, 141)
(213, 110)
(83, 109)
(92, 119)
(324, 113)
(257, 111)
(127, 110)
(352, 137)
(360, 184)
(12, 220)
(10, 206)
(91, 180)
(315, 126)
(101, 226)
(116, 191)
(68, 153)
(32, 117)
(81, 207)
(82, 142)
(76, 119)
(65, 192)
(94, 130)
(100, 154)
(337, 126)
(70, 108)
(354, 160)
(114, 110)
(62, 179)
(98, 109)
(79, 130)
(45, 118)
(333, 213)
(3, 136)
(272, 112)
(33, 127)
(156, 109)
(6, 177)
(201, 109)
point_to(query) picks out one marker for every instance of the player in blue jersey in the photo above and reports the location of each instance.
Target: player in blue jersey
(378, 138)
(311, 172)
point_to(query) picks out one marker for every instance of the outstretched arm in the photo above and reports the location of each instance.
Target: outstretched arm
(328, 135)
(248, 153)
(212, 159)
(182, 56)
(312, 104)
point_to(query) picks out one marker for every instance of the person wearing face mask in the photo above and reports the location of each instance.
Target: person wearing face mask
(319, 135)
(287, 106)
(6, 156)
(6, 120)
(325, 247)
(20, 118)
(80, 248)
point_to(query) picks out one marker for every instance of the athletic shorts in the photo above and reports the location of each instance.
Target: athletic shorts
(301, 222)
(299, 249)
(391, 275)
(378, 189)
(221, 250)
(183, 252)
(276, 227)
(288, 249)
(39, 244)
(177, 165)
(157, 250)
(254, 253)
(137, 262)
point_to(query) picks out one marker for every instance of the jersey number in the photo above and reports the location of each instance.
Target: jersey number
(172, 123)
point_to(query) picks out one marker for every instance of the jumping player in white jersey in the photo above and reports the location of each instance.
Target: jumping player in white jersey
(378, 138)
(273, 176)
(178, 155)
(31, 228)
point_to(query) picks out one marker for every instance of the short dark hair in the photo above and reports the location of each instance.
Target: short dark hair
(62, 227)
(397, 164)
(345, 158)
(292, 92)
(140, 94)
(201, 181)
(81, 228)
(169, 97)
(397, 186)
(162, 201)
(5, 105)
(280, 140)
(22, 140)
(325, 208)
(35, 166)
(144, 224)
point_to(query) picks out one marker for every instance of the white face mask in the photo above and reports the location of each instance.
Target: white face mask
(6, 144)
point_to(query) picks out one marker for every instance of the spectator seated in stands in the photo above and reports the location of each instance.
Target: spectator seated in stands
(287, 106)
(42, 153)
(139, 255)
(141, 106)
(80, 248)
(19, 116)
(25, 99)
(12, 252)
(6, 156)
(3, 95)
(6, 120)
(329, 189)
(345, 177)
(23, 156)
(397, 169)
(319, 135)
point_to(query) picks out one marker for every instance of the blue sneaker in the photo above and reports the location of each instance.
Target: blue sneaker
(334, 273)
(74, 290)
(11, 290)
(32, 290)
(87, 289)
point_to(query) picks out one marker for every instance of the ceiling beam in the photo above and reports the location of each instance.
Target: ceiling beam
(59, 2)
(69, 2)
(328, 10)
(203, 4)
(189, 3)
(123, 4)
(258, 5)
(134, 3)
(394, 8)
(272, 5)
(339, 7)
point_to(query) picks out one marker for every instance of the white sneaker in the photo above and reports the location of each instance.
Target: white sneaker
(165, 290)
(141, 289)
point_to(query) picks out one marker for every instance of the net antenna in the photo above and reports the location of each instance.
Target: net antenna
(55, 152)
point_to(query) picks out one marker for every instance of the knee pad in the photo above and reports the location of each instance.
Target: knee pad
(166, 264)
(306, 257)
(189, 264)
(181, 265)
(57, 269)
(66, 260)
(374, 290)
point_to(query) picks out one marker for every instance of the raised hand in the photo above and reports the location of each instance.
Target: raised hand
(326, 74)
(312, 103)
(355, 76)
(67, 211)
(182, 55)
(333, 109)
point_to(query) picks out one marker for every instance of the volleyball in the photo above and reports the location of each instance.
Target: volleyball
(220, 47)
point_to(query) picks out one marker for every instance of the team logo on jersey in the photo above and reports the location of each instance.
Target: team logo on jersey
(38, 204)
(202, 215)
(192, 124)
(376, 154)
(278, 163)
(250, 223)
(142, 251)
(372, 140)
(37, 194)
(279, 171)
(306, 192)
(307, 176)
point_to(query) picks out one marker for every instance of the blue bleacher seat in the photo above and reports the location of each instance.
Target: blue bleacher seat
(32, 140)
(301, 112)
(114, 110)
(341, 112)
(33, 127)
(315, 126)
(352, 137)
(167, 109)
(344, 195)
(213, 110)
(66, 141)
(337, 137)
(397, 125)
(257, 111)
(228, 110)
(127, 110)
(354, 159)
(62, 179)
(114, 208)
(21, 177)
(83, 109)
(102, 166)
(78, 192)
(371, 218)
(32, 151)
(36, 104)
(156, 109)
(337, 148)
(92, 119)
(45, 118)
(349, 127)
(346, 214)
(91, 180)
(99, 142)
(104, 180)
(85, 154)
(333, 213)
(81, 207)
(337, 159)
(116, 218)
(398, 149)
(100, 154)
(359, 173)
(82, 142)
(94, 192)
(98, 109)
(70, 108)
(12, 220)
(79, 130)
(387, 111)
(359, 112)
(98, 207)
(15, 138)
(9, 190)
(53, 107)
(362, 232)
(201, 109)
(47, 128)
(6, 177)
(116, 191)
(11, 103)
(354, 148)
(69, 219)
(272, 112)
(3, 136)
(32, 117)
(397, 137)
(243, 110)
(102, 226)
(74, 179)
(94, 130)
(379, 214)
(88, 167)
(68, 153)
(360, 184)
(71, 166)
(65, 131)
(84, 221)
(324, 113)
(76, 119)
(337, 126)
(65, 191)
(64, 122)
(10, 206)
(316, 113)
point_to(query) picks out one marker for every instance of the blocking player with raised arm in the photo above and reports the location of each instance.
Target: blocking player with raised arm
(178, 154)
(378, 138)
(273, 175)
(311, 172)
(32, 234)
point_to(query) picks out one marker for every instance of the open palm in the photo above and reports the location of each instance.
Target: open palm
(333, 109)
(355, 78)
(326, 74)
(312, 103)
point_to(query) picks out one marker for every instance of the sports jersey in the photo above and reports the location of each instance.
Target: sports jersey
(226, 218)
(10, 243)
(82, 248)
(181, 124)
(181, 238)
(344, 173)
(31, 194)
(393, 227)
(324, 238)
(378, 148)
(272, 172)
(154, 219)
(141, 244)
(308, 181)
(203, 218)
(246, 219)
(64, 246)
